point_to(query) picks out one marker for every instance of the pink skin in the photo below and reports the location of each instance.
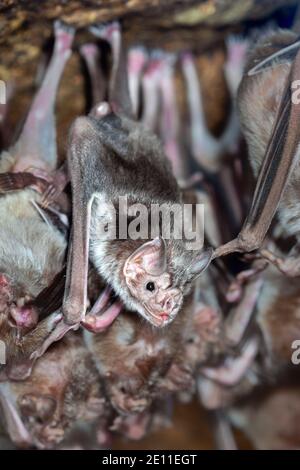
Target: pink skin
(148, 265)
(137, 58)
(36, 146)
(236, 57)
(170, 118)
(99, 323)
(151, 95)
(101, 317)
(25, 317)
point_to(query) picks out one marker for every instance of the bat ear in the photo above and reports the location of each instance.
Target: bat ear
(150, 257)
(200, 263)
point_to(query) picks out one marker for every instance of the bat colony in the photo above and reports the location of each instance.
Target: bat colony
(134, 324)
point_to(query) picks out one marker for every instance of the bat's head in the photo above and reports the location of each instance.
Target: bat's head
(131, 384)
(153, 282)
(14, 306)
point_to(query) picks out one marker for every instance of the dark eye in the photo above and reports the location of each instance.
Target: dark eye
(150, 286)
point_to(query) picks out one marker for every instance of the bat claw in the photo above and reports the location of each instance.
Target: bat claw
(289, 266)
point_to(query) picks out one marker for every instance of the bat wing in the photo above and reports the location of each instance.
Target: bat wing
(287, 53)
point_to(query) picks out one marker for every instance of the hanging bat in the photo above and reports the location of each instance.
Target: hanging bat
(32, 250)
(41, 410)
(106, 150)
(270, 115)
(135, 382)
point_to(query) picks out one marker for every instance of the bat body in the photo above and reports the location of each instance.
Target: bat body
(135, 382)
(32, 247)
(272, 139)
(106, 150)
(258, 119)
(63, 389)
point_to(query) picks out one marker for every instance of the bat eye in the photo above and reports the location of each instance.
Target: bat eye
(150, 286)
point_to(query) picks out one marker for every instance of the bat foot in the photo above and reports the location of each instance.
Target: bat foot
(235, 290)
(99, 323)
(231, 372)
(64, 34)
(289, 266)
(105, 30)
(59, 181)
(89, 51)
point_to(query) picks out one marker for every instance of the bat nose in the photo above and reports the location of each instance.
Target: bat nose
(168, 304)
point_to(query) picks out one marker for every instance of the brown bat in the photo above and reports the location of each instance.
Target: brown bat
(135, 380)
(63, 389)
(270, 124)
(106, 150)
(32, 245)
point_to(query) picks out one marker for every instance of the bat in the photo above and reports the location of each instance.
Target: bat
(133, 384)
(273, 145)
(41, 410)
(105, 150)
(33, 248)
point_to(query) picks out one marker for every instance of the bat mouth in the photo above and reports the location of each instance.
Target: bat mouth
(159, 320)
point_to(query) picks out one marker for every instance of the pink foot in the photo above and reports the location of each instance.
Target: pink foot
(99, 323)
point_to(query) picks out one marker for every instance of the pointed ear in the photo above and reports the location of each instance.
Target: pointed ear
(200, 263)
(150, 257)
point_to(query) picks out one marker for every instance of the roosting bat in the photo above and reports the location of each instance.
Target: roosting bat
(111, 156)
(63, 389)
(32, 249)
(270, 125)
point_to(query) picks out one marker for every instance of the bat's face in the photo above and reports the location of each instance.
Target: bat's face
(131, 383)
(14, 307)
(150, 283)
(159, 293)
